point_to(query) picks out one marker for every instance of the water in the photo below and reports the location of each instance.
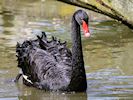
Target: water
(107, 54)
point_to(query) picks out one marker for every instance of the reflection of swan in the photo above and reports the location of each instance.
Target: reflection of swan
(50, 65)
(32, 94)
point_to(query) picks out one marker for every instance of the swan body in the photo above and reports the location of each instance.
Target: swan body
(50, 65)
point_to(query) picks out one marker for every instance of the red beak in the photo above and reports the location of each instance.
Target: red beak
(85, 29)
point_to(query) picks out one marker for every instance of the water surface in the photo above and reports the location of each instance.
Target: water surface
(108, 53)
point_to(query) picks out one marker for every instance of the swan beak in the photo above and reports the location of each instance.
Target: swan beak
(85, 29)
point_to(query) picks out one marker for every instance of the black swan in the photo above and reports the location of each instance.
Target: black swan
(50, 65)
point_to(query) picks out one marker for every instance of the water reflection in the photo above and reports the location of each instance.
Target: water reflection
(41, 95)
(107, 54)
(111, 47)
(110, 83)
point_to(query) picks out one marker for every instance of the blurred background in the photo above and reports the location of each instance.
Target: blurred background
(107, 53)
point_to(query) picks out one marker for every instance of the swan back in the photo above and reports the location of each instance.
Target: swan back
(47, 63)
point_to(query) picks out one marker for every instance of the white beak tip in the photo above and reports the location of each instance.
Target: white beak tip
(87, 35)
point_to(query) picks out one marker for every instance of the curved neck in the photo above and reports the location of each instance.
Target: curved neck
(77, 54)
(78, 78)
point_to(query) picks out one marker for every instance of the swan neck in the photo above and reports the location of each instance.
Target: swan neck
(78, 79)
(77, 54)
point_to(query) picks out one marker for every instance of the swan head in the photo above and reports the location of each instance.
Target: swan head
(82, 19)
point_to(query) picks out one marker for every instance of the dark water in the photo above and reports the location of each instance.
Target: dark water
(108, 53)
